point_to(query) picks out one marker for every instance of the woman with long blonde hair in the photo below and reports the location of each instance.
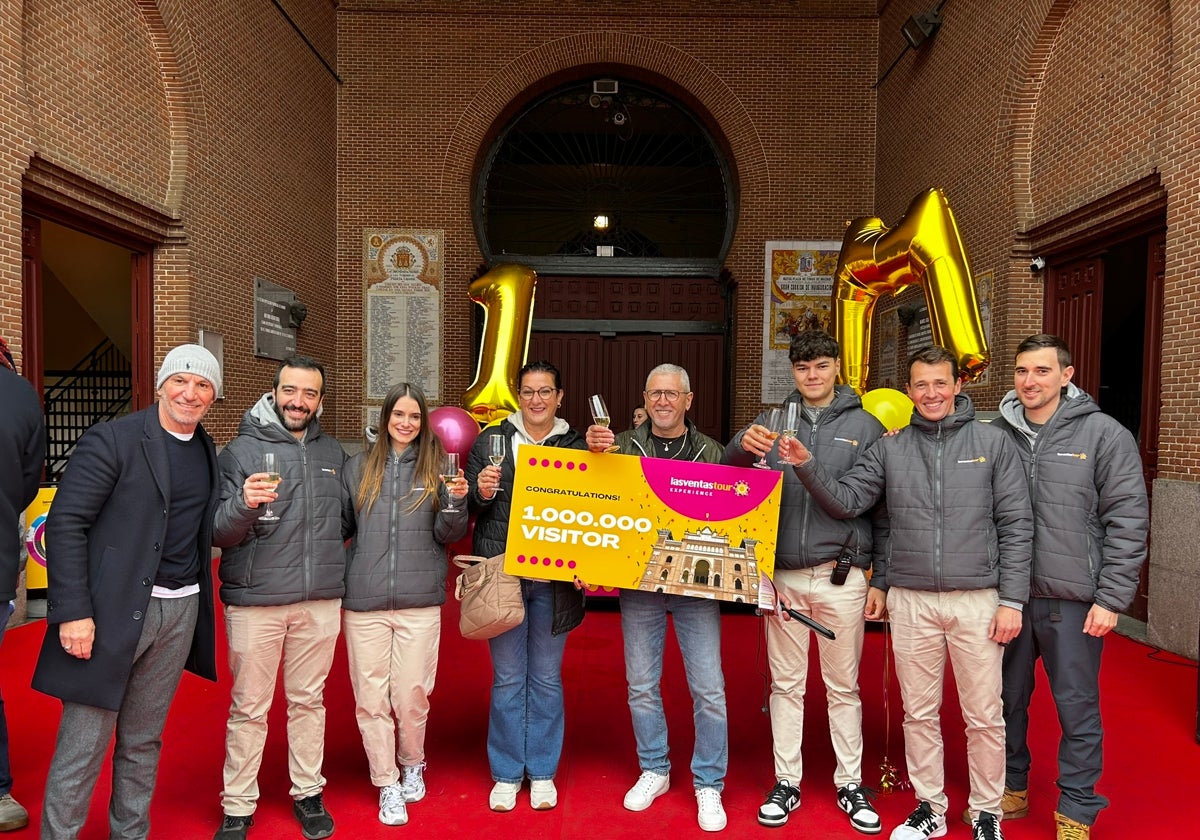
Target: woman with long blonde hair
(395, 587)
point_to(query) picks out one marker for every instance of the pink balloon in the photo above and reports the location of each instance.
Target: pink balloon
(455, 428)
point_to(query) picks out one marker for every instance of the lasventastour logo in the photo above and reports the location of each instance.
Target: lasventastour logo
(708, 491)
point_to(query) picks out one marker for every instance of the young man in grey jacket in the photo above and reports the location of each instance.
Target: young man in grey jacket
(282, 571)
(956, 578)
(1091, 518)
(807, 578)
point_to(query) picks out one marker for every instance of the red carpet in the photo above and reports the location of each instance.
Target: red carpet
(1149, 710)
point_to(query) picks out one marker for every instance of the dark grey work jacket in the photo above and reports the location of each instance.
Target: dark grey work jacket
(302, 556)
(957, 502)
(1091, 516)
(398, 555)
(808, 535)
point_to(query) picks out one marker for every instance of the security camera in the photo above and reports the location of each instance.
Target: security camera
(619, 118)
(1037, 264)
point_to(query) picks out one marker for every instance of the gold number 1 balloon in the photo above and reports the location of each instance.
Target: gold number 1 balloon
(925, 248)
(506, 295)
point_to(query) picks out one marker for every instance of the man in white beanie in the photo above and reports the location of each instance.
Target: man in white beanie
(130, 605)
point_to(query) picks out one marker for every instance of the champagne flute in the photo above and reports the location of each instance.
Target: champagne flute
(496, 447)
(600, 416)
(772, 422)
(272, 470)
(791, 419)
(449, 467)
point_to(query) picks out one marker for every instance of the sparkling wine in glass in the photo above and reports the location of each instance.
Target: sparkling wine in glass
(772, 421)
(272, 470)
(600, 416)
(791, 419)
(450, 467)
(496, 447)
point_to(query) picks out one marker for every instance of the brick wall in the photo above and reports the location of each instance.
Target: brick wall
(216, 114)
(427, 85)
(1025, 115)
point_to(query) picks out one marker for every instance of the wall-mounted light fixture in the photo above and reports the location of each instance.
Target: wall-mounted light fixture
(921, 27)
(600, 222)
(917, 31)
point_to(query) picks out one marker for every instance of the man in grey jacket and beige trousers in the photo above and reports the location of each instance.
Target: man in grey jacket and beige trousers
(956, 579)
(1091, 517)
(282, 579)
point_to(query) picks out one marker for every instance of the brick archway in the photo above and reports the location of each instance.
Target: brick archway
(649, 56)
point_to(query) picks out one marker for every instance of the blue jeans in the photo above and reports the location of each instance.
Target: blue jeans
(698, 631)
(525, 721)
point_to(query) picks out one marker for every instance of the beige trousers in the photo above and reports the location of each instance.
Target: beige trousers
(393, 662)
(303, 637)
(926, 626)
(840, 608)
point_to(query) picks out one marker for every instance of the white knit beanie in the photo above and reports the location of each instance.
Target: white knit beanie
(191, 358)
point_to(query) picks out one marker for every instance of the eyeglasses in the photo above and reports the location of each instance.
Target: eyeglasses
(528, 394)
(669, 396)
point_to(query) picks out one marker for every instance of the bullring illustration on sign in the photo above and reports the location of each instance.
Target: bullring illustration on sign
(702, 564)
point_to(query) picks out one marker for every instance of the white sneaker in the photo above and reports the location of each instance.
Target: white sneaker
(391, 805)
(503, 796)
(412, 782)
(921, 823)
(645, 790)
(709, 811)
(543, 795)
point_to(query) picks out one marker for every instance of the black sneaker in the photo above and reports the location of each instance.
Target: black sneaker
(315, 822)
(986, 827)
(233, 828)
(855, 800)
(781, 801)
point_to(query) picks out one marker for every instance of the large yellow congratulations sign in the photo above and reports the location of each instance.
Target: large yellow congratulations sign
(702, 530)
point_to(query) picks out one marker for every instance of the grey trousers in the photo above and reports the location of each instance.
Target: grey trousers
(85, 731)
(1053, 630)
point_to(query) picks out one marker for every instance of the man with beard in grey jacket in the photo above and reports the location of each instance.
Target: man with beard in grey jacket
(956, 579)
(808, 578)
(282, 572)
(1091, 518)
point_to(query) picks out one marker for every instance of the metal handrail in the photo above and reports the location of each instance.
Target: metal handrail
(98, 388)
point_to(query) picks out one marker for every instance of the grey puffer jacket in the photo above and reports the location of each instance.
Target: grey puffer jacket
(956, 498)
(397, 557)
(492, 515)
(808, 535)
(302, 556)
(1090, 512)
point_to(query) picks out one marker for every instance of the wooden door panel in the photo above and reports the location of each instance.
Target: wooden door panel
(1074, 297)
(1156, 262)
(703, 357)
(32, 350)
(616, 366)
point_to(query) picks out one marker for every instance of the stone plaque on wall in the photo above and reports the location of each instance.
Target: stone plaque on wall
(402, 307)
(274, 337)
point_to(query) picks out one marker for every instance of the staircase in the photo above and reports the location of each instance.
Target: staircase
(98, 388)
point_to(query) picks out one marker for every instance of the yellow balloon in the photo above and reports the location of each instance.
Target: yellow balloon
(925, 247)
(506, 295)
(892, 408)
